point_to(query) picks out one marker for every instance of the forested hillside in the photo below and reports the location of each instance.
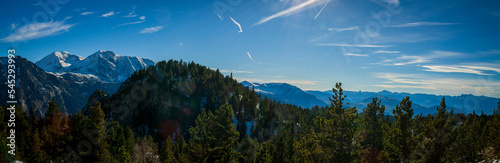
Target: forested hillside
(184, 112)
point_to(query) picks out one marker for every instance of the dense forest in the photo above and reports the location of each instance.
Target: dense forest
(184, 112)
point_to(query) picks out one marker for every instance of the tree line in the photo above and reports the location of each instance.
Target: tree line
(195, 114)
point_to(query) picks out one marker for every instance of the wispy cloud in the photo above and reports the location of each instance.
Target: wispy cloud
(343, 29)
(321, 9)
(356, 55)
(490, 52)
(286, 12)
(385, 2)
(151, 29)
(396, 2)
(450, 85)
(413, 59)
(386, 52)
(109, 14)
(353, 45)
(87, 13)
(142, 19)
(301, 82)
(479, 70)
(38, 30)
(238, 24)
(132, 14)
(416, 24)
(407, 59)
(233, 71)
(13, 26)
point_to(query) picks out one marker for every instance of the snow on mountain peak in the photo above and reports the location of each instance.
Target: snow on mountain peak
(106, 65)
(56, 61)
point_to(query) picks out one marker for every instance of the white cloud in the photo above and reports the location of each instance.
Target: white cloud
(109, 14)
(385, 2)
(132, 14)
(238, 24)
(386, 52)
(395, 2)
(151, 29)
(87, 13)
(448, 69)
(450, 85)
(416, 24)
(356, 55)
(461, 69)
(406, 60)
(354, 45)
(302, 82)
(412, 59)
(286, 12)
(38, 30)
(343, 29)
(142, 19)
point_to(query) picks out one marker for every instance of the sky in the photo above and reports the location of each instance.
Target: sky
(439, 47)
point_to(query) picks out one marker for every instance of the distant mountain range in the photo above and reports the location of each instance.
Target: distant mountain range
(68, 78)
(422, 103)
(285, 93)
(71, 79)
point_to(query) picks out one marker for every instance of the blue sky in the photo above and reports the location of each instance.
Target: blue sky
(426, 46)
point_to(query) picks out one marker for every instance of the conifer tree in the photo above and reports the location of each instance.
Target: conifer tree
(214, 137)
(372, 120)
(400, 138)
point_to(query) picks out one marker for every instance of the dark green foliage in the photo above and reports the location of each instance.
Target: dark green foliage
(372, 132)
(214, 137)
(399, 142)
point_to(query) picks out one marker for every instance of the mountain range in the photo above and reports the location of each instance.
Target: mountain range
(70, 80)
(105, 65)
(422, 103)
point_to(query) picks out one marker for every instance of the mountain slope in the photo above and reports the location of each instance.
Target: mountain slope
(105, 65)
(285, 93)
(35, 87)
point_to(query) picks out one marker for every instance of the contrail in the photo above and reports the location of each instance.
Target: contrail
(322, 9)
(216, 13)
(238, 24)
(285, 12)
(250, 57)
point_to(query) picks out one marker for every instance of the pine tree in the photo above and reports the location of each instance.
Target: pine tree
(167, 152)
(494, 131)
(337, 128)
(400, 140)
(372, 131)
(98, 124)
(248, 149)
(214, 137)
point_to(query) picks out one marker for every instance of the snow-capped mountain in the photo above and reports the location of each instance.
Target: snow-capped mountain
(35, 87)
(58, 61)
(285, 93)
(105, 65)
